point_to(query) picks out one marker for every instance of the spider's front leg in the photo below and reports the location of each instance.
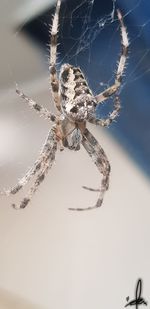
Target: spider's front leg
(99, 157)
(112, 116)
(113, 90)
(54, 82)
(121, 64)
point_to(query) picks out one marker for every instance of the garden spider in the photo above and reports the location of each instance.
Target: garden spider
(75, 104)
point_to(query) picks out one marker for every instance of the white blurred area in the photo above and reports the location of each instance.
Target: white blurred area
(50, 256)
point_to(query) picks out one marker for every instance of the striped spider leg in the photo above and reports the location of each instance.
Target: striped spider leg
(113, 90)
(99, 157)
(41, 167)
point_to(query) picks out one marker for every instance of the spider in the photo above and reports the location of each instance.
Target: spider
(75, 105)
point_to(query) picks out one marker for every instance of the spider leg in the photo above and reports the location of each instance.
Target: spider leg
(33, 170)
(115, 113)
(46, 165)
(99, 157)
(90, 189)
(53, 54)
(121, 64)
(118, 79)
(38, 108)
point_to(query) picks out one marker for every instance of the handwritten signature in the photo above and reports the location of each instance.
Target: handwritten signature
(139, 300)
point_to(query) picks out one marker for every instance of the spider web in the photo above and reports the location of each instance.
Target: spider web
(89, 21)
(92, 38)
(89, 27)
(89, 37)
(92, 29)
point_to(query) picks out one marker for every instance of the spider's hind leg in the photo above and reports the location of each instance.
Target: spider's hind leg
(99, 157)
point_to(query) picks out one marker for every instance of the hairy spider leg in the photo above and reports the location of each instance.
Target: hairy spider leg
(42, 111)
(121, 64)
(54, 81)
(112, 116)
(46, 164)
(99, 157)
(38, 165)
(100, 98)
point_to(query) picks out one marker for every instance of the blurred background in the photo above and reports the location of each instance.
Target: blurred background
(50, 257)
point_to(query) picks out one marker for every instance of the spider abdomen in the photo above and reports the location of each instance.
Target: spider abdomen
(78, 102)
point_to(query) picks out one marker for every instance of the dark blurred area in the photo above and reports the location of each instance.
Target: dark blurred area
(90, 40)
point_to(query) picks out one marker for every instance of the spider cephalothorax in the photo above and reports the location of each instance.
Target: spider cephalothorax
(75, 105)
